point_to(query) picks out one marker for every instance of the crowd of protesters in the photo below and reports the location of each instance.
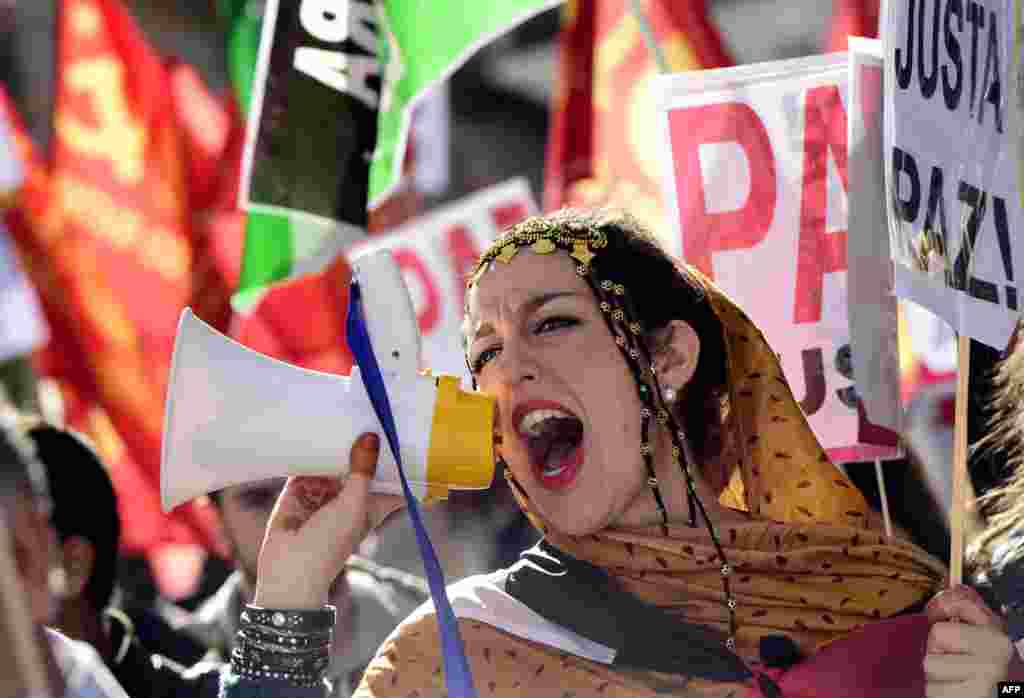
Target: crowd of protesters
(690, 562)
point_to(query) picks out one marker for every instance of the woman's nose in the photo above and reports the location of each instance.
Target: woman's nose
(515, 364)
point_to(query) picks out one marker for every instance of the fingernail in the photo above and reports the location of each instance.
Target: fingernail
(368, 441)
(364, 455)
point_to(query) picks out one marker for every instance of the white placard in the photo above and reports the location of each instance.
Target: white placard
(954, 212)
(872, 304)
(780, 250)
(436, 253)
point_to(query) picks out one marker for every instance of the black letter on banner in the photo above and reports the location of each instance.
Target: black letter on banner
(952, 91)
(904, 71)
(976, 18)
(928, 82)
(990, 92)
(906, 209)
(982, 290)
(844, 366)
(1003, 235)
(814, 381)
(936, 204)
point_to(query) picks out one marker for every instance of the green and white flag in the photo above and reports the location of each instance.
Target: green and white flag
(277, 244)
(420, 44)
(424, 43)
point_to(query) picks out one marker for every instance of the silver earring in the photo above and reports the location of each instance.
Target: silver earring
(670, 395)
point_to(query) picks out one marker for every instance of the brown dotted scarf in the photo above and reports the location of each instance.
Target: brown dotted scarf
(807, 564)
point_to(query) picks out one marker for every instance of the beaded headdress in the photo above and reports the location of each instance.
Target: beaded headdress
(781, 471)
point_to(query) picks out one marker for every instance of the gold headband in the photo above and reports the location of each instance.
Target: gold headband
(581, 240)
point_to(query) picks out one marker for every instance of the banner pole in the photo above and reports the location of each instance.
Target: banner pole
(649, 38)
(957, 505)
(886, 518)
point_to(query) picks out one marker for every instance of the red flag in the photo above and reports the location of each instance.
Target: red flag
(109, 239)
(603, 148)
(214, 133)
(314, 337)
(851, 18)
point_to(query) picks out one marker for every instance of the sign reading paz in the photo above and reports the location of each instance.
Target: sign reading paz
(952, 171)
(756, 188)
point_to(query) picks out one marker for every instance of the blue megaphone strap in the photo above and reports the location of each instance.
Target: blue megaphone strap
(458, 679)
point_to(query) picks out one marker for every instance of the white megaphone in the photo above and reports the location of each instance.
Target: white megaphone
(234, 415)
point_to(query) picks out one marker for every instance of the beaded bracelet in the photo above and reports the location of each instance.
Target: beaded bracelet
(252, 658)
(306, 622)
(284, 640)
(300, 680)
(292, 646)
(275, 648)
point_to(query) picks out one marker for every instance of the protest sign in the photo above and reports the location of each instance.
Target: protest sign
(437, 252)
(954, 210)
(756, 184)
(313, 116)
(870, 300)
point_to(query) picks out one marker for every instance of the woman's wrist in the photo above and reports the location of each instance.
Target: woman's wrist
(290, 598)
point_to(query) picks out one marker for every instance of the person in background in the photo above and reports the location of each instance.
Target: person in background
(85, 520)
(74, 668)
(996, 554)
(371, 599)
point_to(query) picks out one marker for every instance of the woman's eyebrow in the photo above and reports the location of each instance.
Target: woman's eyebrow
(531, 305)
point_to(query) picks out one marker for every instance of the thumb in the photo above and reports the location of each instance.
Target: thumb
(363, 459)
(348, 511)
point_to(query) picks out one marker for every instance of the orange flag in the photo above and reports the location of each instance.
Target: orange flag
(604, 149)
(108, 237)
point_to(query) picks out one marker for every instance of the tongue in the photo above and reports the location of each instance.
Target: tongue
(557, 438)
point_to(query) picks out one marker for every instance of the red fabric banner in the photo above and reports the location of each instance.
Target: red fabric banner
(302, 320)
(119, 233)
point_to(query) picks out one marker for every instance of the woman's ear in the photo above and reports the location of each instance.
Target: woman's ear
(676, 353)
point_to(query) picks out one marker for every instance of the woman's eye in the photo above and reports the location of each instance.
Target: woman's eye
(483, 357)
(556, 323)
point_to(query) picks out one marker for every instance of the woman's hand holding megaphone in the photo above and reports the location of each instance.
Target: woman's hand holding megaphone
(317, 523)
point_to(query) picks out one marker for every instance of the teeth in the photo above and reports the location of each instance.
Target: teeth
(530, 424)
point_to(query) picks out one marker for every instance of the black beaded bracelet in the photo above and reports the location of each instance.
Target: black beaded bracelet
(309, 622)
(271, 648)
(252, 659)
(300, 680)
(287, 642)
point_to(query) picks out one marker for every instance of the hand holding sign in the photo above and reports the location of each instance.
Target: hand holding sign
(968, 651)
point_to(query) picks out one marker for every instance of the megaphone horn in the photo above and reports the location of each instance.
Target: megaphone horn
(234, 415)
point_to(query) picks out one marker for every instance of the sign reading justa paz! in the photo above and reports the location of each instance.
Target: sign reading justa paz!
(952, 173)
(756, 187)
(438, 251)
(313, 118)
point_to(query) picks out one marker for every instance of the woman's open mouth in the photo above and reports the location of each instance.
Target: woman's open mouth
(553, 437)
